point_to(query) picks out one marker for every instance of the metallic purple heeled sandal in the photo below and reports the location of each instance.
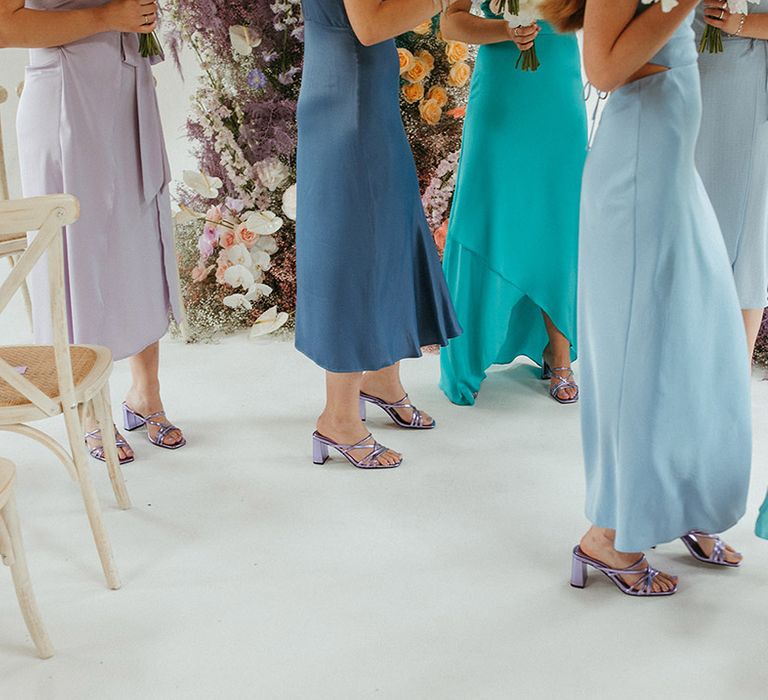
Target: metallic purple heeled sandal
(321, 445)
(717, 558)
(98, 452)
(642, 588)
(134, 421)
(417, 419)
(565, 382)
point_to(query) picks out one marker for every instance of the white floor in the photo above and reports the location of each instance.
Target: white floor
(251, 573)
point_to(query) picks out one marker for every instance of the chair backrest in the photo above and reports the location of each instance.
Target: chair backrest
(4, 192)
(46, 216)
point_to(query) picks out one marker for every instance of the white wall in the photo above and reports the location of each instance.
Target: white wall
(173, 96)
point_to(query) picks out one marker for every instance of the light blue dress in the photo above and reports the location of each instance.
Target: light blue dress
(512, 243)
(732, 154)
(665, 389)
(370, 289)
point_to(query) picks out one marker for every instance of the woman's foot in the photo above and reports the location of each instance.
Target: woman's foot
(148, 405)
(598, 545)
(390, 390)
(708, 543)
(561, 359)
(93, 439)
(351, 433)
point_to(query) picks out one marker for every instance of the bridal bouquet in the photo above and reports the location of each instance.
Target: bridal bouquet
(712, 39)
(521, 13)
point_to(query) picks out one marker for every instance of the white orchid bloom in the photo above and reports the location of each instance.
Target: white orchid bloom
(666, 5)
(239, 254)
(261, 260)
(239, 276)
(266, 244)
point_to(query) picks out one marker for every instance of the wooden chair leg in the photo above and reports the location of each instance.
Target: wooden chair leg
(17, 562)
(103, 413)
(90, 498)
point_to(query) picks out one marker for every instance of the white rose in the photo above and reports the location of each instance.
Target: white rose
(289, 202)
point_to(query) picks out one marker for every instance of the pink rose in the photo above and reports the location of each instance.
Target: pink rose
(223, 266)
(227, 238)
(245, 236)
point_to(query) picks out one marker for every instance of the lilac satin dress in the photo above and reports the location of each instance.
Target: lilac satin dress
(89, 125)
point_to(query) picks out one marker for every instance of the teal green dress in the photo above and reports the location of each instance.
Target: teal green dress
(512, 245)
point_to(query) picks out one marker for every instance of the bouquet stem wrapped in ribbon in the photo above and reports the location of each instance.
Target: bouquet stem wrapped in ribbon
(712, 39)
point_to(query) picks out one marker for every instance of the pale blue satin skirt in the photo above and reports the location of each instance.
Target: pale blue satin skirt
(665, 389)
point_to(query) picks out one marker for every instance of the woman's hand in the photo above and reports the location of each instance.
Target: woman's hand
(717, 14)
(524, 37)
(139, 16)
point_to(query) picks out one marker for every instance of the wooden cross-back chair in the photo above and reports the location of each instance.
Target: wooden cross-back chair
(13, 246)
(12, 553)
(38, 382)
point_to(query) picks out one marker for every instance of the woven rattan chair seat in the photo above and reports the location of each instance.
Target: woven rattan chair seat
(89, 363)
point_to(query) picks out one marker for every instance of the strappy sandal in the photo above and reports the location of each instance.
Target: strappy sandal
(134, 421)
(642, 588)
(719, 551)
(98, 452)
(391, 409)
(565, 376)
(322, 444)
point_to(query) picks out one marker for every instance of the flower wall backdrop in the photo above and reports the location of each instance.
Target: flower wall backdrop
(235, 228)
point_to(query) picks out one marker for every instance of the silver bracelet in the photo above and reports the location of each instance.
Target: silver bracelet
(741, 26)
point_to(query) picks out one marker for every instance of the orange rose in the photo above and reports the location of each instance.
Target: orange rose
(424, 28)
(418, 73)
(438, 94)
(413, 92)
(407, 60)
(428, 58)
(441, 235)
(456, 51)
(243, 235)
(459, 75)
(430, 111)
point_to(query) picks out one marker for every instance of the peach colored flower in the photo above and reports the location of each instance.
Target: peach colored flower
(427, 57)
(200, 272)
(441, 235)
(431, 112)
(458, 113)
(438, 94)
(456, 51)
(459, 75)
(407, 60)
(227, 238)
(424, 28)
(413, 92)
(222, 268)
(418, 73)
(243, 235)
